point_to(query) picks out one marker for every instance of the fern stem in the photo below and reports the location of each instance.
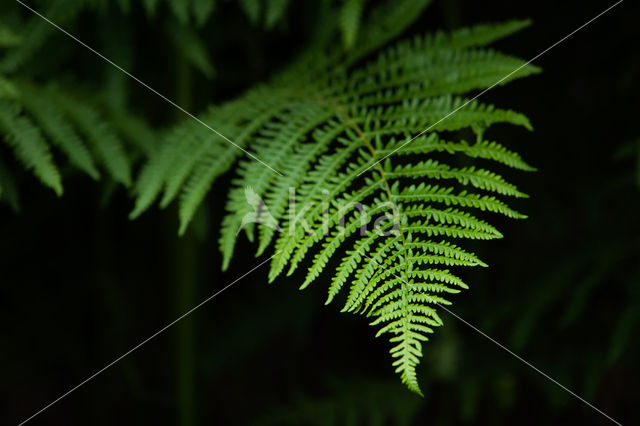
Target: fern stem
(185, 282)
(405, 279)
(380, 168)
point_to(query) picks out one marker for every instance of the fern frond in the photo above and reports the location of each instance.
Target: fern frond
(54, 117)
(386, 22)
(135, 131)
(103, 140)
(36, 31)
(29, 145)
(192, 47)
(337, 125)
(55, 125)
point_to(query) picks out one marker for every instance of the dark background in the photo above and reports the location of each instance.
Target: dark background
(81, 284)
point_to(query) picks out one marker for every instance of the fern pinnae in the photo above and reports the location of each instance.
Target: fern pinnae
(278, 197)
(445, 248)
(436, 114)
(135, 132)
(465, 38)
(435, 193)
(437, 73)
(291, 241)
(298, 121)
(151, 180)
(196, 146)
(390, 303)
(102, 139)
(437, 276)
(169, 168)
(29, 145)
(37, 30)
(487, 150)
(331, 245)
(451, 216)
(452, 231)
(430, 259)
(305, 119)
(201, 142)
(386, 22)
(298, 173)
(318, 178)
(496, 152)
(199, 183)
(479, 178)
(362, 283)
(341, 208)
(58, 129)
(333, 242)
(337, 237)
(208, 143)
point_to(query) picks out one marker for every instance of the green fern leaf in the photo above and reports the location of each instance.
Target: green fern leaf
(192, 48)
(29, 145)
(37, 30)
(58, 129)
(336, 124)
(103, 140)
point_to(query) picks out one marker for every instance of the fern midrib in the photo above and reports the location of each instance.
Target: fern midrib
(405, 313)
(378, 164)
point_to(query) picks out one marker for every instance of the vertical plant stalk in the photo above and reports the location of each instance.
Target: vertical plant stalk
(184, 280)
(185, 285)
